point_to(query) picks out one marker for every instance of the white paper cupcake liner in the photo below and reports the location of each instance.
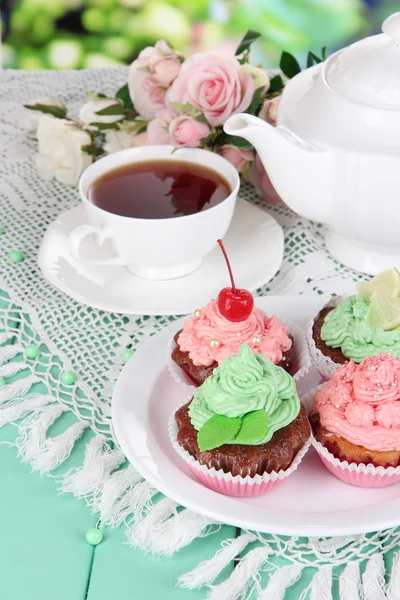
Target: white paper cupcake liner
(226, 483)
(302, 353)
(360, 475)
(324, 365)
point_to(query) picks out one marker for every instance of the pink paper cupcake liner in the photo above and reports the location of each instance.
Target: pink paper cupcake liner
(226, 483)
(301, 367)
(367, 476)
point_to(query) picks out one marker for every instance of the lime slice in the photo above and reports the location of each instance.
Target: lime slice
(384, 312)
(386, 283)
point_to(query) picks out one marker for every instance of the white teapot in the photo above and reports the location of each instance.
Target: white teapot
(334, 156)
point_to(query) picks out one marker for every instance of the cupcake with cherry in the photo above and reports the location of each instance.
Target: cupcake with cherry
(218, 330)
(244, 431)
(356, 422)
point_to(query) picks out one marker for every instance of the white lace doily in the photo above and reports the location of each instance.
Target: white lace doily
(90, 342)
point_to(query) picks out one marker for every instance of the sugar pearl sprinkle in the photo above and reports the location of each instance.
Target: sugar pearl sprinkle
(197, 313)
(256, 340)
(215, 343)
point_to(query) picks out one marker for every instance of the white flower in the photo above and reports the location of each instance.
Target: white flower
(88, 113)
(117, 140)
(30, 122)
(60, 149)
(260, 76)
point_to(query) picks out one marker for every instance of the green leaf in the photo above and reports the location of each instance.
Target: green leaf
(254, 104)
(254, 428)
(223, 138)
(138, 126)
(201, 118)
(217, 431)
(247, 40)
(104, 126)
(124, 96)
(94, 96)
(90, 149)
(56, 111)
(185, 108)
(323, 53)
(113, 109)
(289, 65)
(312, 59)
(275, 84)
(143, 69)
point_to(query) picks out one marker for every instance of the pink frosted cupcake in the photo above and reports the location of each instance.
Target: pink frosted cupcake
(220, 328)
(356, 422)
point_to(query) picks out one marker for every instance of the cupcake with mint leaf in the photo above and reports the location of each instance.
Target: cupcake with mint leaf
(359, 326)
(244, 431)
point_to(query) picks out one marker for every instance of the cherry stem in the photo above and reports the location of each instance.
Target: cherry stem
(228, 264)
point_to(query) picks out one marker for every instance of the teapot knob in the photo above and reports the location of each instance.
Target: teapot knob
(391, 26)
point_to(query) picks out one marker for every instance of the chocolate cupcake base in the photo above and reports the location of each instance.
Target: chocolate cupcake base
(198, 374)
(334, 354)
(245, 460)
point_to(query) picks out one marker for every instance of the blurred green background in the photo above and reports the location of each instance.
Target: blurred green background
(73, 34)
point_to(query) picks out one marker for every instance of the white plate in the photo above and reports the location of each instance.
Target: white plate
(254, 243)
(311, 502)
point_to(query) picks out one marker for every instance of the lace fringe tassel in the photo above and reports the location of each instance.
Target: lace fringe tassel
(99, 462)
(393, 588)
(321, 585)
(18, 388)
(9, 352)
(244, 576)
(280, 581)
(349, 582)
(42, 453)
(12, 368)
(170, 533)
(208, 570)
(21, 407)
(374, 578)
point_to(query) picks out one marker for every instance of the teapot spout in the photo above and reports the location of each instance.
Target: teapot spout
(290, 163)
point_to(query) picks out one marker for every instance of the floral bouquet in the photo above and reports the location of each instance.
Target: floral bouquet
(169, 99)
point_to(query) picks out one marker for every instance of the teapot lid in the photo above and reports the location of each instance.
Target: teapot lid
(368, 71)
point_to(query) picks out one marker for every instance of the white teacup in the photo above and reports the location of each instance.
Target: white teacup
(156, 248)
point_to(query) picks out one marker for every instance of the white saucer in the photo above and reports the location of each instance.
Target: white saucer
(254, 243)
(312, 502)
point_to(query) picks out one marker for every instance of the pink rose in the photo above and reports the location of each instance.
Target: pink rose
(264, 188)
(377, 379)
(186, 131)
(156, 129)
(213, 83)
(269, 110)
(239, 157)
(149, 76)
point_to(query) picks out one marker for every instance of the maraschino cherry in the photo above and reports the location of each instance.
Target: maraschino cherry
(234, 304)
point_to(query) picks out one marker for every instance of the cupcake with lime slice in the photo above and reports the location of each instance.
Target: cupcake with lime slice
(244, 431)
(359, 326)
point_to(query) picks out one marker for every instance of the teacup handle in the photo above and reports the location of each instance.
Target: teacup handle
(79, 234)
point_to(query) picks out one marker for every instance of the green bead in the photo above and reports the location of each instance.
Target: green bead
(16, 256)
(32, 351)
(2, 382)
(69, 378)
(2, 232)
(127, 354)
(94, 537)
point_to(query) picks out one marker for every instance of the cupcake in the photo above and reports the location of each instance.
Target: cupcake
(244, 430)
(218, 330)
(362, 325)
(356, 422)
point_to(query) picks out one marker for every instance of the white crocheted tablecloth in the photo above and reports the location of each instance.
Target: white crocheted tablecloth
(90, 342)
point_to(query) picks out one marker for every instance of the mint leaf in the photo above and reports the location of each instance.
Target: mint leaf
(247, 40)
(254, 428)
(254, 104)
(275, 84)
(124, 96)
(113, 109)
(56, 111)
(289, 65)
(217, 431)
